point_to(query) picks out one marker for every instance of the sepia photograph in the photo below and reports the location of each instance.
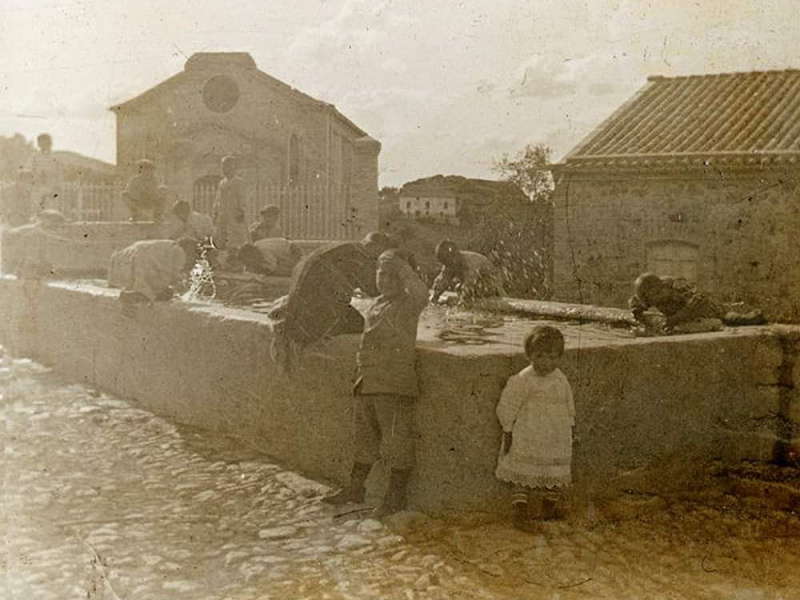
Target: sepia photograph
(400, 300)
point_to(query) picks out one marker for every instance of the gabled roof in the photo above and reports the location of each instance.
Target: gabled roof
(748, 119)
(222, 61)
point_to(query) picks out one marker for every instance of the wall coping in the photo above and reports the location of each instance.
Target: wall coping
(587, 336)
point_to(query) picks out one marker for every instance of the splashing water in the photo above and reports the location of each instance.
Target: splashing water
(462, 326)
(201, 281)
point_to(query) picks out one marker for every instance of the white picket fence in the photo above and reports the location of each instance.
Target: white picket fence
(90, 202)
(312, 212)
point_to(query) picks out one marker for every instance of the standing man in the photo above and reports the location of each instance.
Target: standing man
(229, 209)
(48, 175)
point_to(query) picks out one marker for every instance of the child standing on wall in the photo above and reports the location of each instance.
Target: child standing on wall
(537, 414)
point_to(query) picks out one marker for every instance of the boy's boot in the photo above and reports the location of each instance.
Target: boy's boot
(355, 490)
(396, 497)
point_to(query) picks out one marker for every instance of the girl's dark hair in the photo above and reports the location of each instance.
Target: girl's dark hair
(544, 337)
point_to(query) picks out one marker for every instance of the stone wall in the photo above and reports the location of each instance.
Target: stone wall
(742, 225)
(728, 395)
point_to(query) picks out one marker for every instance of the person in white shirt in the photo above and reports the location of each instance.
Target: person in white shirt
(537, 414)
(151, 270)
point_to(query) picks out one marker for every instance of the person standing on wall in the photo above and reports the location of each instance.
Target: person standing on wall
(48, 175)
(229, 213)
(386, 387)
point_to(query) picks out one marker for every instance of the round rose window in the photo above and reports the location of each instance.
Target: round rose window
(220, 93)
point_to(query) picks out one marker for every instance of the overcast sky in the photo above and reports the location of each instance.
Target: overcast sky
(445, 85)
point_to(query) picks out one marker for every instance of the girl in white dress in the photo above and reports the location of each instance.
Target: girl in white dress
(537, 414)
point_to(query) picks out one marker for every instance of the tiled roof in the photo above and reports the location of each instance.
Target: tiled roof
(733, 118)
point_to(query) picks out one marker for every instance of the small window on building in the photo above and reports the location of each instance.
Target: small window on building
(427, 204)
(416, 213)
(408, 205)
(445, 205)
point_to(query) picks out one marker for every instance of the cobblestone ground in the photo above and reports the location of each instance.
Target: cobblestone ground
(102, 500)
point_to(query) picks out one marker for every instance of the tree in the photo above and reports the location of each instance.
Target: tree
(523, 246)
(388, 209)
(529, 170)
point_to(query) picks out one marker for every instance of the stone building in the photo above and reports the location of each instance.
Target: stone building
(693, 177)
(290, 146)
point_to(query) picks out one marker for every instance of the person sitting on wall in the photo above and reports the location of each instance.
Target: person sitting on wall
(143, 195)
(28, 250)
(267, 225)
(470, 274)
(17, 200)
(276, 257)
(318, 303)
(684, 309)
(386, 387)
(152, 270)
(187, 223)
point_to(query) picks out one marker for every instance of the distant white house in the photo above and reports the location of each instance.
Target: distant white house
(443, 207)
(445, 198)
